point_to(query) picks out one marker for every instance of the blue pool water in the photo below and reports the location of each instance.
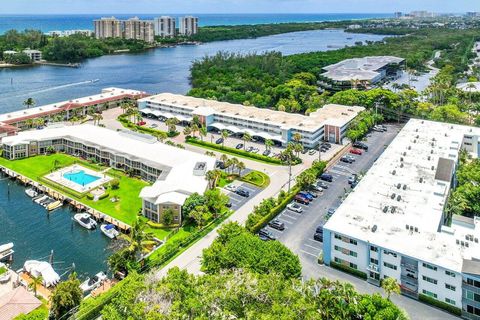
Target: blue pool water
(80, 177)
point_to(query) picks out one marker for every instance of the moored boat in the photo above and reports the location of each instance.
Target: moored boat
(31, 193)
(92, 283)
(6, 251)
(85, 220)
(41, 268)
(54, 205)
(109, 230)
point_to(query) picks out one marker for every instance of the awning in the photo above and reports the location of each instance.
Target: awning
(183, 118)
(146, 111)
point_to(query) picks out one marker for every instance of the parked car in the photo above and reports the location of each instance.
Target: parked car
(316, 187)
(301, 199)
(352, 158)
(294, 207)
(327, 144)
(377, 128)
(356, 151)
(141, 123)
(326, 177)
(322, 185)
(220, 165)
(323, 149)
(250, 149)
(228, 205)
(312, 194)
(304, 151)
(330, 212)
(318, 237)
(354, 184)
(255, 150)
(319, 229)
(384, 127)
(360, 145)
(153, 125)
(242, 192)
(266, 153)
(219, 141)
(346, 159)
(277, 224)
(231, 187)
(267, 234)
(306, 195)
(239, 146)
(352, 179)
(312, 152)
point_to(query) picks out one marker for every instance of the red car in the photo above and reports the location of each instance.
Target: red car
(141, 123)
(356, 151)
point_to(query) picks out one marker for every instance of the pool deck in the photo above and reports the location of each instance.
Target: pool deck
(59, 177)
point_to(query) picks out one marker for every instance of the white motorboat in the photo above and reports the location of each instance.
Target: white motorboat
(44, 269)
(6, 251)
(4, 273)
(41, 199)
(31, 193)
(85, 220)
(109, 230)
(94, 282)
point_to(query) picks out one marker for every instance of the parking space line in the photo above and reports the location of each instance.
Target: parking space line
(315, 248)
(287, 216)
(285, 221)
(306, 252)
(235, 199)
(248, 188)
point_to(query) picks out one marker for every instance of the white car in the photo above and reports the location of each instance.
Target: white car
(231, 187)
(294, 207)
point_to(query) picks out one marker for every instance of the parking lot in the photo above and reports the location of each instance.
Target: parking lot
(300, 227)
(237, 200)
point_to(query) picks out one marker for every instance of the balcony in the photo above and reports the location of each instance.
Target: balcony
(373, 267)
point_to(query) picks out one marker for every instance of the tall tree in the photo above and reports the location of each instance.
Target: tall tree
(66, 296)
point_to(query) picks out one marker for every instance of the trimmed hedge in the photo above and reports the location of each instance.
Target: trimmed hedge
(440, 304)
(128, 124)
(103, 196)
(353, 272)
(242, 153)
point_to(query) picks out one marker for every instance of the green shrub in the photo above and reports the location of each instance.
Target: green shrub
(353, 272)
(440, 304)
(320, 258)
(242, 153)
(114, 184)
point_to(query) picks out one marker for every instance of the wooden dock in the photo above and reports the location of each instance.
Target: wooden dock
(76, 205)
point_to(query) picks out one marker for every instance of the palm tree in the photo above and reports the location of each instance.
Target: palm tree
(187, 131)
(246, 137)
(29, 103)
(99, 117)
(161, 136)
(172, 124)
(223, 158)
(203, 132)
(268, 144)
(240, 167)
(139, 239)
(125, 106)
(29, 123)
(194, 127)
(212, 177)
(297, 137)
(390, 286)
(36, 281)
(297, 147)
(225, 135)
(234, 162)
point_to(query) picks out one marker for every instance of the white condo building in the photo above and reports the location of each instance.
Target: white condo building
(165, 26)
(188, 25)
(393, 224)
(174, 173)
(329, 123)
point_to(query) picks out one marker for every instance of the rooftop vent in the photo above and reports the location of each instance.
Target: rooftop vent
(406, 226)
(385, 209)
(392, 196)
(417, 136)
(421, 180)
(409, 147)
(393, 209)
(401, 159)
(414, 140)
(428, 158)
(416, 130)
(401, 165)
(399, 197)
(404, 187)
(431, 151)
(404, 154)
(399, 186)
(374, 228)
(433, 168)
(394, 172)
(423, 121)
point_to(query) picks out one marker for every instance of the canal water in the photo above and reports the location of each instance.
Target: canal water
(35, 233)
(159, 70)
(26, 224)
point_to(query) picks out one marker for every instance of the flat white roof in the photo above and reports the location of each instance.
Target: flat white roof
(177, 164)
(469, 86)
(359, 68)
(198, 106)
(107, 94)
(411, 177)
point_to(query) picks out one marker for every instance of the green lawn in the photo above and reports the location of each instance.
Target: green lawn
(125, 210)
(257, 178)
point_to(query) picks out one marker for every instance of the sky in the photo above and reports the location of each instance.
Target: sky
(232, 6)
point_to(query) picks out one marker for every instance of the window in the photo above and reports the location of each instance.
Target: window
(450, 273)
(473, 283)
(450, 287)
(430, 294)
(374, 261)
(429, 266)
(472, 296)
(428, 279)
(450, 301)
(374, 249)
(473, 310)
(389, 265)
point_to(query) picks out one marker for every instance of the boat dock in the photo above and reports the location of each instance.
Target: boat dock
(56, 64)
(76, 205)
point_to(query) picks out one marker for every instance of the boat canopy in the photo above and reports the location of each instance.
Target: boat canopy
(44, 269)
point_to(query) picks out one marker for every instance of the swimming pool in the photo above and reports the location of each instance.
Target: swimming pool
(80, 177)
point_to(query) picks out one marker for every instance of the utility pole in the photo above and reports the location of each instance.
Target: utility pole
(289, 171)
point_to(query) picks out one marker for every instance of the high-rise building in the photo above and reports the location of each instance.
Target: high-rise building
(188, 25)
(398, 14)
(473, 14)
(108, 28)
(165, 26)
(139, 29)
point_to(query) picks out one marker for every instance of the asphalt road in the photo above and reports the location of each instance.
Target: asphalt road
(238, 201)
(300, 228)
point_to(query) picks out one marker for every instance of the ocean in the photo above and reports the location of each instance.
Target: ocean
(47, 23)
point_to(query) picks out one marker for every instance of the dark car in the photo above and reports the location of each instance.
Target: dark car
(220, 165)
(298, 198)
(326, 177)
(219, 141)
(266, 153)
(360, 145)
(312, 194)
(265, 233)
(327, 144)
(323, 149)
(318, 237)
(306, 195)
(242, 192)
(319, 229)
(277, 224)
(330, 212)
(239, 146)
(250, 149)
(322, 185)
(228, 205)
(346, 159)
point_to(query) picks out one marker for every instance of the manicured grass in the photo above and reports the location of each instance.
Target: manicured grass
(159, 233)
(125, 210)
(2, 270)
(257, 178)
